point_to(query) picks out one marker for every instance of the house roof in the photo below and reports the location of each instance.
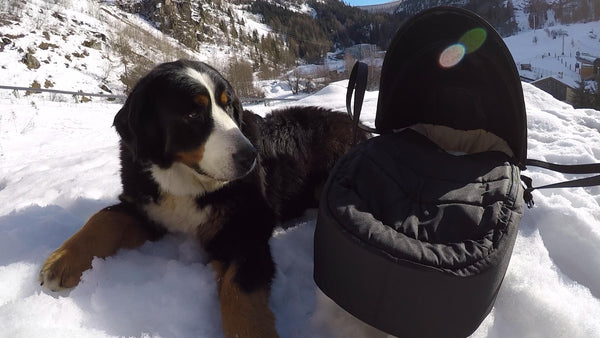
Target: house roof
(566, 80)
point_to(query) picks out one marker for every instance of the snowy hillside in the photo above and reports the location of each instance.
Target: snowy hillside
(82, 47)
(549, 55)
(95, 47)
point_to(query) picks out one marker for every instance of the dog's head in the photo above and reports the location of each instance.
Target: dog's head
(183, 119)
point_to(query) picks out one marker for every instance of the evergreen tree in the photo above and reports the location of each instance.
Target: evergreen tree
(596, 94)
(223, 26)
(582, 96)
(582, 11)
(537, 12)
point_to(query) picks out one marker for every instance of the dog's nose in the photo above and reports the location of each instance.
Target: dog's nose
(245, 158)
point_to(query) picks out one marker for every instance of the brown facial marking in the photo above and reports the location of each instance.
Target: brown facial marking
(243, 314)
(224, 98)
(202, 99)
(190, 158)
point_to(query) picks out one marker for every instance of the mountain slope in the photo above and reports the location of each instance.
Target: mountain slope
(84, 47)
(60, 42)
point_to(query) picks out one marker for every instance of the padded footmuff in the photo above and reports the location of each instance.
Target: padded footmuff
(414, 240)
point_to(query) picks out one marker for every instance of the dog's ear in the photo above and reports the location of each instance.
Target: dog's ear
(127, 122)
(238, 110)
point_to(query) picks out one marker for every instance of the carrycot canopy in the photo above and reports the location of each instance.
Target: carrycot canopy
(448, 66)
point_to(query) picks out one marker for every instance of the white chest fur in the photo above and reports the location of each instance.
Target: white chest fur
(179, 213)
(180, 180)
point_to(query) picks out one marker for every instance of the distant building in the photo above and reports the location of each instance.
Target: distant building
(590, 66)
(556, 87)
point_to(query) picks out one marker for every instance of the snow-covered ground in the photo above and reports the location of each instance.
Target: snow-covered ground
(58, 165)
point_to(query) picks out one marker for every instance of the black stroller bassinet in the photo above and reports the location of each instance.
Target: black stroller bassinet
(416, 226)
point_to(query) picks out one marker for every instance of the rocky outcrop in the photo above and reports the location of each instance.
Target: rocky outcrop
(175, 18)
(30, 61)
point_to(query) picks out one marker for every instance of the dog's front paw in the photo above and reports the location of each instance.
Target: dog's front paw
(63, 269)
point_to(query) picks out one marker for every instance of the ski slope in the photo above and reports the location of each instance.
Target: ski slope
(555, 56)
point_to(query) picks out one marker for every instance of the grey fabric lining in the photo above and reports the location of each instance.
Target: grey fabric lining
(403, 195)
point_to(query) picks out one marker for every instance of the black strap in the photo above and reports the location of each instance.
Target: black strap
(593, 168)
(358, 82)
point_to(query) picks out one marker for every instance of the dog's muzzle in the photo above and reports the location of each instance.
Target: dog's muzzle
(245, 159)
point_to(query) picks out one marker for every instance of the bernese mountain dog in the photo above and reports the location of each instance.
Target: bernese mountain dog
(193, 161)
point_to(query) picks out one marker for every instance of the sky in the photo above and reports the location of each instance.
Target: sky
(365, 2)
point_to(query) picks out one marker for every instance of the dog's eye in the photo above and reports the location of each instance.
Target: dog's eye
(194, 115)
(225, 99)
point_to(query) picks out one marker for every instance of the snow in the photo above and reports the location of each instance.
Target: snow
(253, 22)
(546, 55)
(59, 164)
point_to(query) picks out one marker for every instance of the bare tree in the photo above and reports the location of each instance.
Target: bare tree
(292, 78)
(240, 75)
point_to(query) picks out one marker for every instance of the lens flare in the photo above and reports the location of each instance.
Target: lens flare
(468, 43)
(452, 55)
(473, 39)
